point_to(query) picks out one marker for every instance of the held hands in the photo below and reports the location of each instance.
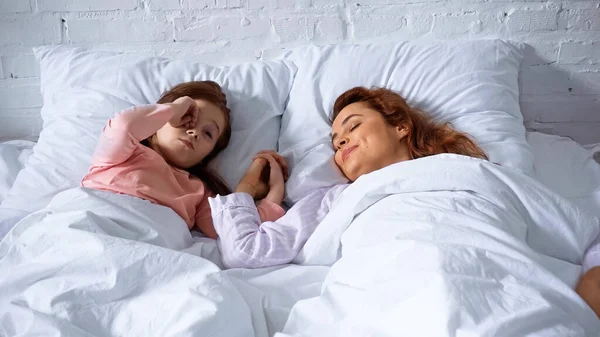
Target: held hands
(266, 177)
(185, 112)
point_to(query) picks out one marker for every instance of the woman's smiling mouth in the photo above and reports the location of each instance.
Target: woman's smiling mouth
(347, 152)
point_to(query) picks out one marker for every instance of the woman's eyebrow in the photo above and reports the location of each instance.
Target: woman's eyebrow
(348, 118)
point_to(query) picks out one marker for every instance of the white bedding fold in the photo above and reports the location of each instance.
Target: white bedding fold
(95, 263)
(448, 246)
(13, 155)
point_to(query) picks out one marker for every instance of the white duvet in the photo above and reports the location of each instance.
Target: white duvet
(95, 263)
(440, 246)
(448, 246)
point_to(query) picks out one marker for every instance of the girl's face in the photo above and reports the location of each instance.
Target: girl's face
(186, 147)
(365, 142)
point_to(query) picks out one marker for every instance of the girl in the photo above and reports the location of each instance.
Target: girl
(160, 153)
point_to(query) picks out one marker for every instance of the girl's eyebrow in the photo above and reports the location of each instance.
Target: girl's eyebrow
(216, 125)
(212, 120)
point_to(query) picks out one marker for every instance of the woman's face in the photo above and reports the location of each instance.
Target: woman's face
(365, 142)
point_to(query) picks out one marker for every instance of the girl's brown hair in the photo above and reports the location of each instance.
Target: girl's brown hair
(425, 137)
(209, 91)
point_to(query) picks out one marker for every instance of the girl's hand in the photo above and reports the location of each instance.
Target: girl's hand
(254, 182)
(276, 179)
(589, 289)
(280, 160)
(185, 112)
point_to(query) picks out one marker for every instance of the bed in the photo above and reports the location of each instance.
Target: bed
(119, 271)
(270, 293)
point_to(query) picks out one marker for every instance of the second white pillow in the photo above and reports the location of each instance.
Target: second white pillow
(471, 84)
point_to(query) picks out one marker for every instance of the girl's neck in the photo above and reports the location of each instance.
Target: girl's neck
(153, 146)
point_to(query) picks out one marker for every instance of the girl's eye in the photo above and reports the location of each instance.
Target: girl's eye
(208, 134)
(354, 127)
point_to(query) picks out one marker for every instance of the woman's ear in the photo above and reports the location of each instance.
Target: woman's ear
(401, 131)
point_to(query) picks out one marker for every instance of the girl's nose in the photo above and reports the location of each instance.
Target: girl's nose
(192, 133)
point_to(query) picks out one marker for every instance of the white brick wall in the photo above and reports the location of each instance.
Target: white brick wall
(560, 78)
(14, 7)
(74, 5)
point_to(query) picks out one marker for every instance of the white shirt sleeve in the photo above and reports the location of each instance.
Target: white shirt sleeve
(245, 242)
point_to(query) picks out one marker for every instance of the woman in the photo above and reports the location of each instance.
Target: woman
(371, 129)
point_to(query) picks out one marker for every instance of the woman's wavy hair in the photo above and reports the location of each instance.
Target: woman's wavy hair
(209, 91)
(425, 137)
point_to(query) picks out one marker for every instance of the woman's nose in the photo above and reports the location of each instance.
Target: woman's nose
(342, 141)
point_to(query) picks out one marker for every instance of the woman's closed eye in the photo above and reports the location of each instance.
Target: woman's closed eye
(337, 147)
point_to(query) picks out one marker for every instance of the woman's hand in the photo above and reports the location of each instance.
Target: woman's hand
(589, 289)
(185, 112)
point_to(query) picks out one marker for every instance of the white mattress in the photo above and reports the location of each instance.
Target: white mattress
(560, 163)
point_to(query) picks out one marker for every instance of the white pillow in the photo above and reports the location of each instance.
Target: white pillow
(472, 84)
(564, 166)
(83, 89)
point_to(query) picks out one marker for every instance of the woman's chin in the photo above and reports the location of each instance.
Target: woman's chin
(352, 172)
(355, 172)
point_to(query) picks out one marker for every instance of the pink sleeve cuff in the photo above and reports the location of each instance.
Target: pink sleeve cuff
(269, 211)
